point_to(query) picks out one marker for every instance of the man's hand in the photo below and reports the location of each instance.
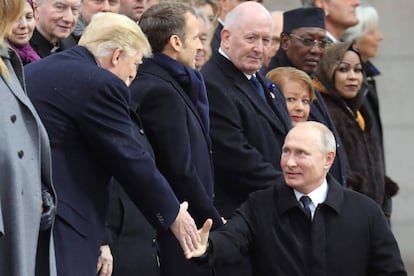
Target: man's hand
(105, 262)
(185, 230)
(204, 233)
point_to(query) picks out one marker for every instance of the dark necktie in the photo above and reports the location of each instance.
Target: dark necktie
(258, 86)
(306, 201)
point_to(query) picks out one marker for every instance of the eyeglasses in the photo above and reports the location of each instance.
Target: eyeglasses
(309, 42)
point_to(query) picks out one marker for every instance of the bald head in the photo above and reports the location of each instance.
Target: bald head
(245, 13)
(246, 36)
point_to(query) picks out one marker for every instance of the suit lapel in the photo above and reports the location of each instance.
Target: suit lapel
(268, 110)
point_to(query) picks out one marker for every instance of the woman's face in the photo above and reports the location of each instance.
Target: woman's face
(348, 76)
(297, 97)
(368, 44)
(23, 27)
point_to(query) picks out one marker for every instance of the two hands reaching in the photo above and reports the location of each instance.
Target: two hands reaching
(193, 242)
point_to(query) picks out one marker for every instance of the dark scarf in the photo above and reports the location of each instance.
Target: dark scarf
(26, 53)
(192, 83)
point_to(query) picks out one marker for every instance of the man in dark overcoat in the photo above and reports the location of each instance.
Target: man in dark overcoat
(82, 97)
(170, 98)
(310, 225)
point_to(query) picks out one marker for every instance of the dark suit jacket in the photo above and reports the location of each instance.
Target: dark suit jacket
(349, 235)
(247, 133)
(44, 48)
(182, 150)
(85, 110)
(132, 242)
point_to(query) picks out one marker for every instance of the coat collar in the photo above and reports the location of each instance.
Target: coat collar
(286, 200)
(273, 110)
(150, 67)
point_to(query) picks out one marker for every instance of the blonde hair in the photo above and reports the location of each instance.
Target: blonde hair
(109, 31)
(9, 12)
(282, 74)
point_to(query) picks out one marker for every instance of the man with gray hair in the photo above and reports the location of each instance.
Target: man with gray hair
(55, 20)
(82, 97)
(339, 15)
(308, 225)
(249, 120)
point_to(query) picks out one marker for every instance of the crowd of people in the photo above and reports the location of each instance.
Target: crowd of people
(192, 137)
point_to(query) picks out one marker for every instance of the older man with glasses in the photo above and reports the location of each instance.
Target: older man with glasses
(302, 45)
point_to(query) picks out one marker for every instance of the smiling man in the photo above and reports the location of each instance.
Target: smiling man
(55, 21)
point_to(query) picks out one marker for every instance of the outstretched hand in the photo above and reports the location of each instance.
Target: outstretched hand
(185, 230)
(204, 233)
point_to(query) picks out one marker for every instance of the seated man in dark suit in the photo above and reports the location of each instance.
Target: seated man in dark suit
(310, 225)
(82, 98)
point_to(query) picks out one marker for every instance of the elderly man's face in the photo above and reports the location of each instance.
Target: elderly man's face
(303, 162)
(56, 19)
(302, 56)
(248, 44)
(91, 7)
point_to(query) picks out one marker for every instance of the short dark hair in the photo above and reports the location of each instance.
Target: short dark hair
(163, 20)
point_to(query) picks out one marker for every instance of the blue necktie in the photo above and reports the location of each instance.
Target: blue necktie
(306, 201)
(258, 86)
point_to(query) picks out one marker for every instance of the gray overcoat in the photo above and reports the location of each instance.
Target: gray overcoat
(24, 163)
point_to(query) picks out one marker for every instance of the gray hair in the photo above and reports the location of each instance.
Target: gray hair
(368, 20)
(327, 139)
(200, 14)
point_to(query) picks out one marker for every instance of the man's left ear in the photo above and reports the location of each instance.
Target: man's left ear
(116, 55)
(284, 41)
(175, 43)
(329, 159)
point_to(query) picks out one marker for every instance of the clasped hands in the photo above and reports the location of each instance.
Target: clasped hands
(193, 242)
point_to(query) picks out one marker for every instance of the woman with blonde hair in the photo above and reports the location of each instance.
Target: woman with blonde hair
(26, 194)
(298, 90)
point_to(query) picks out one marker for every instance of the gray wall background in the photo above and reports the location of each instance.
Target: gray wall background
(395, 61)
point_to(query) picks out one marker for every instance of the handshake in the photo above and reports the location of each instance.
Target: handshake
(193, 242)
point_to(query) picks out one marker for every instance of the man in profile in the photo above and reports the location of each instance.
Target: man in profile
(82, 98)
